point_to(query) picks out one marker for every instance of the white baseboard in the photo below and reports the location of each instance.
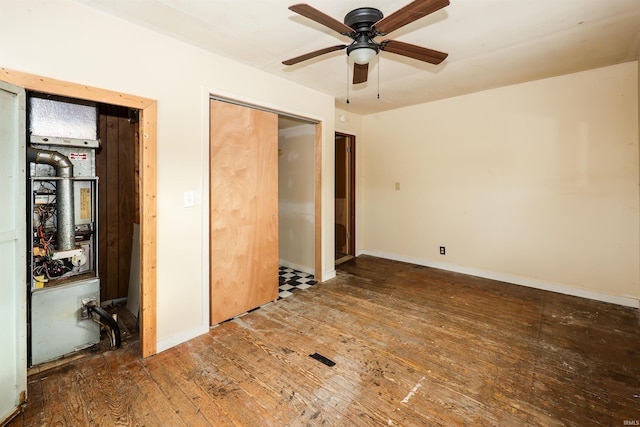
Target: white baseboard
(328, 275)
(297, 267)
(516, 280)
(185, 336)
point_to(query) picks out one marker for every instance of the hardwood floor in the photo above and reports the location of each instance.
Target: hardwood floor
(412, 346)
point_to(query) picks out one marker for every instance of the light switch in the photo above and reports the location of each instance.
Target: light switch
(189, 199)
(397, 186)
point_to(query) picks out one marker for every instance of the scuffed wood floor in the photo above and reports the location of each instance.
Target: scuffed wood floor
(413, 346)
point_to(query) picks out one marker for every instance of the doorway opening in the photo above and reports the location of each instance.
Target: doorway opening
(280, 223)
(345, 207)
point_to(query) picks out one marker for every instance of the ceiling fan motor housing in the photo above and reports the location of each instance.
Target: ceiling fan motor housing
(361, 20)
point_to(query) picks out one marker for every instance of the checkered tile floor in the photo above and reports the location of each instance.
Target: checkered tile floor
(292, 280)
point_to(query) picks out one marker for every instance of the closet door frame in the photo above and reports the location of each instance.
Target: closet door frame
(318, 180)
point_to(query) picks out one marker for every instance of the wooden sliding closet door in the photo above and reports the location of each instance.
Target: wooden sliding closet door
(243, 209)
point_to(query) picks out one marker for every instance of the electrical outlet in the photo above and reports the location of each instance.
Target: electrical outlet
(442, 250)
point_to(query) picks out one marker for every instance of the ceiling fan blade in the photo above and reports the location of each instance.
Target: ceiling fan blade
(411, 12)
(321, 18)
(360, 73)
(412, 51)
(313, 54)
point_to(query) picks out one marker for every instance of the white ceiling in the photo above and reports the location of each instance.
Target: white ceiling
(491, 43)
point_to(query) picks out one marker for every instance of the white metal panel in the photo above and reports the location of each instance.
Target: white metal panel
(13, 350)
(56, 324)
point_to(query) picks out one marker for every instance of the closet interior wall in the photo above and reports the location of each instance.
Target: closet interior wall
(118, 208)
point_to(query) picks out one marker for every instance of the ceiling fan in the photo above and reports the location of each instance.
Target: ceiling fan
(363, 25)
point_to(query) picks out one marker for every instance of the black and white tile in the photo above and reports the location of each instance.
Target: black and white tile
(292, 280)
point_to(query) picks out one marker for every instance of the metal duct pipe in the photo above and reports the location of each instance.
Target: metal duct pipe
(66, 238)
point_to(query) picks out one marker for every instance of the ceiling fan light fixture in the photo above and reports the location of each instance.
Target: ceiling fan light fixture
(363, 25)
(363, 55)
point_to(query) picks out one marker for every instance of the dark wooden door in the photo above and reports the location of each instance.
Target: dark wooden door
(344, 195)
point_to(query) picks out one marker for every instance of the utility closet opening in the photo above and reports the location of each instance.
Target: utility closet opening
(83, 216)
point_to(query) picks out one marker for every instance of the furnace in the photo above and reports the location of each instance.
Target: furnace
(64, 284)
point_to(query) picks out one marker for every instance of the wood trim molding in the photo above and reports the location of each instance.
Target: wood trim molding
(148, 229)
(148, 181)
(352, 197)
(352, 192)
(318, 202)
(73, 90)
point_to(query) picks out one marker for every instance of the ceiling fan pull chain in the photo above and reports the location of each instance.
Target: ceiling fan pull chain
(347, 80)
(379, 76)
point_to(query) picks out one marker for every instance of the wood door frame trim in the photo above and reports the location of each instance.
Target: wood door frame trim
(318, 201)
(148, 182)
(352, 191)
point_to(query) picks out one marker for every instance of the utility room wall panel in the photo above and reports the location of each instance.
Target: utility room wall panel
(116, 162)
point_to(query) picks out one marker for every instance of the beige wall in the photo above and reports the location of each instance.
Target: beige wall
(536, 184)
(296, 197)
(67, 41)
